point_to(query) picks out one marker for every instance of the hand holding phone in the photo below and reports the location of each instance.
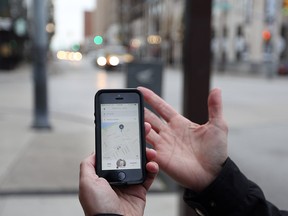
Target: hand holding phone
(120, 136)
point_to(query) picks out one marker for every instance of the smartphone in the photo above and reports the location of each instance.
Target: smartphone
(120, 136)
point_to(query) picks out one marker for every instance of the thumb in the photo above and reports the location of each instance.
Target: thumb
(215, 105)
(153, 169)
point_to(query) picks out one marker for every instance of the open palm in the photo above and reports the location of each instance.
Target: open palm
(192, 154)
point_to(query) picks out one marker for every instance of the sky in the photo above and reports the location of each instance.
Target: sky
(69, 21)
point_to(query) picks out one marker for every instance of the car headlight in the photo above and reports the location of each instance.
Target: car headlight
(101, 61)
(114, 60)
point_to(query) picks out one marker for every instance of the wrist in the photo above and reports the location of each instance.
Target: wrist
(207, 179)
(212, 200)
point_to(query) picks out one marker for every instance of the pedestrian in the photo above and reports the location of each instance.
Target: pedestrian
(193, 155)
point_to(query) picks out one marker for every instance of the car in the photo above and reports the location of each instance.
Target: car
(111, 57)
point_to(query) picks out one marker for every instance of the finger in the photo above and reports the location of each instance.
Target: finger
(215, 105)
(150, 154)
(147, 127)
(152, 171)
(87, 166)
(158, 104)
(152, 168)
(153, 138)
(153, 120)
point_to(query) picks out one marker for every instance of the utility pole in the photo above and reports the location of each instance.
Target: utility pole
(40, 45)
(196, 59)
(196, 66)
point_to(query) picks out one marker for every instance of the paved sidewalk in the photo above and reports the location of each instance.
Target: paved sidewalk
(33, 160)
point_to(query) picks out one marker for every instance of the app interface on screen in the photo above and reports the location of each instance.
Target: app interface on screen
(120, 136)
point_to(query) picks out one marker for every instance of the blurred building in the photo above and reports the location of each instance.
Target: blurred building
(13, 32)
(244, 33)
(149, 29)
(16, 31)
(250, 32)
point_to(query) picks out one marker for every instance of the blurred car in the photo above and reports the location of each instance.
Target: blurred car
(111, 57)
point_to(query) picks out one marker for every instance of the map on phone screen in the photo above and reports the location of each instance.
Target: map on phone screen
(120, 136)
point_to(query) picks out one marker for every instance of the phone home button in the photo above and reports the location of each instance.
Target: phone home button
(121, 176)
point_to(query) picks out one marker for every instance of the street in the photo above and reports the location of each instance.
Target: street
(255, 107)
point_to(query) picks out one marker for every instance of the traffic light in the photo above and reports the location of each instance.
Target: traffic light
(266, 35)
(98, 40)
(267, 43)
(76, 47)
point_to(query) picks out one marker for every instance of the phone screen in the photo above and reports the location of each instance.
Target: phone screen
(120, 136)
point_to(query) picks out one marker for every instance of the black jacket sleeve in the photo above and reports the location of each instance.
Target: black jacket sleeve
(231, 194)
(108, 215)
